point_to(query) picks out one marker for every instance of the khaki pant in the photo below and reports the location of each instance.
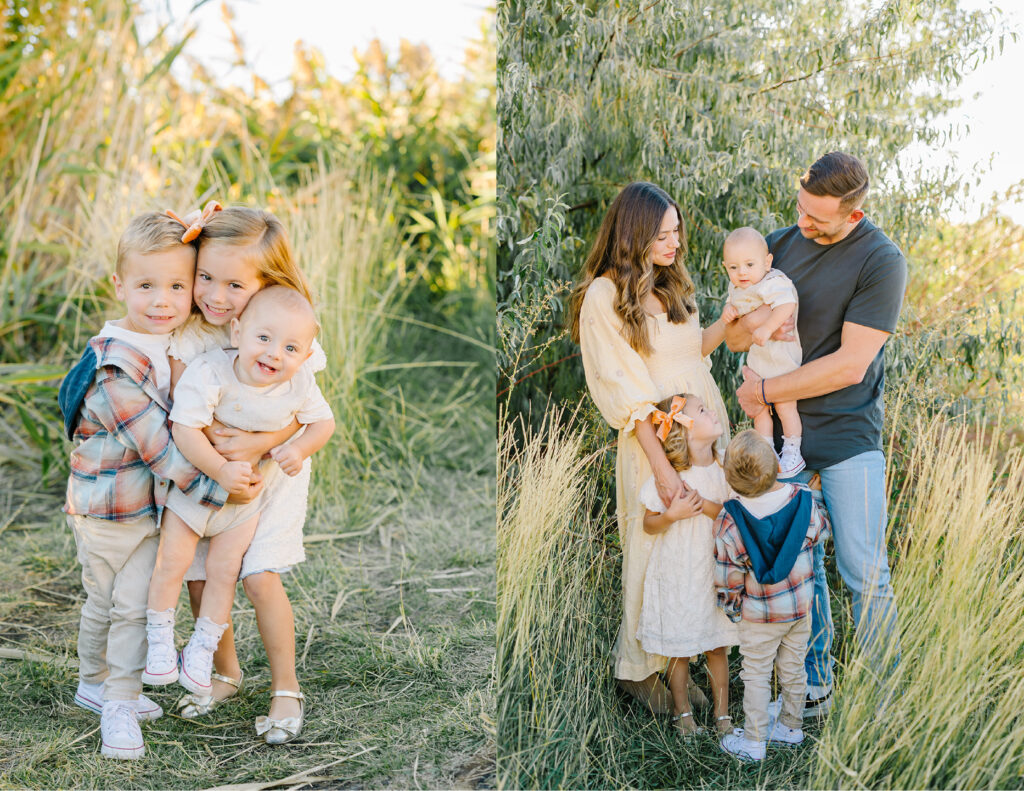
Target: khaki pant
(761, 646)
(117, 561)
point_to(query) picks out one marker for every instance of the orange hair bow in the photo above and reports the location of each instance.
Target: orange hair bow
(194, 221)
(675, 415)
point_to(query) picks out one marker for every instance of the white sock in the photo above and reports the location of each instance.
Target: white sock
(791, 442)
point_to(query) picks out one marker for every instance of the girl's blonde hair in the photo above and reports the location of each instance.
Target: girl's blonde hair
(677, 443)
(621, 250)
(269, 249)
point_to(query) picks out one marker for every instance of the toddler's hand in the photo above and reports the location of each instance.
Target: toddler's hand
(234, 476)
(760, 336)
(288, 459)
(815, 482)
(729, 313)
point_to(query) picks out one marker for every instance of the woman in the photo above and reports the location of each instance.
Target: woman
(634, 314)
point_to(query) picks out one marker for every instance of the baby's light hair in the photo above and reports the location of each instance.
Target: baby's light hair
(751, 466)
(269, 250)
(150, 232)
(282, 297)
(747, 234)
(677, 443)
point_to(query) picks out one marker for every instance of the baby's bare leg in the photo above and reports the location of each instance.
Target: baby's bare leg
(177, 547)
(790, 419)
(222, 564)
(763, 425)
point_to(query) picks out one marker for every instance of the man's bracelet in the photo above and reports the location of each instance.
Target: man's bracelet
(764, 398)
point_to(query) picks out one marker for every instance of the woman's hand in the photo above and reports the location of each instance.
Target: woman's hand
(686, 505)
(667, 481)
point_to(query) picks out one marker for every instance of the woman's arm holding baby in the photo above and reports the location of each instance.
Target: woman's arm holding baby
(291, 456)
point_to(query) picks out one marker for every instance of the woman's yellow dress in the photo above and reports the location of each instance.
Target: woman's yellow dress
(626, 386)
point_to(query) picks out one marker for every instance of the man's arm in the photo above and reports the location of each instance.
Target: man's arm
(844, 367)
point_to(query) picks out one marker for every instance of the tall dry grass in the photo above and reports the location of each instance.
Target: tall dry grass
(946, 717)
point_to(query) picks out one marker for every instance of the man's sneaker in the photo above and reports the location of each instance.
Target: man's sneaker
(737, 744)
(782, 735)
(119, 727)
(790, 461)
(90, 697)
(196, 659)
(813, 707)
(161, 658)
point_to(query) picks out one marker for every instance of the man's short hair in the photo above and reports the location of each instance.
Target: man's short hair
(840, 175)
(150, 232)
(751, 466)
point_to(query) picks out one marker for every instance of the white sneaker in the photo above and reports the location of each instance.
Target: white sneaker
(790, 461)
(121, 734)
(783, 735)
(90, 697)
(161, 658)
(196, 658)
(737, 744)
(818, 706)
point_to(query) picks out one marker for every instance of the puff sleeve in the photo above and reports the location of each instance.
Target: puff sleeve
(617, 375)
(777, 289)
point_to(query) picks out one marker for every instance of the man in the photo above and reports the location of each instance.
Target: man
(850, 278)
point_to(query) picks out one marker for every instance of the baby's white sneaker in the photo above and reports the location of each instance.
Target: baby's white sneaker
(161, 659)
(790, 460)
(90, 697)
(120, 731)
(197, 656)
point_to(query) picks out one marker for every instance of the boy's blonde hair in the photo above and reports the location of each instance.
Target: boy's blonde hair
(151, 232)
(751, 466)
(269, 251)
(676, 444)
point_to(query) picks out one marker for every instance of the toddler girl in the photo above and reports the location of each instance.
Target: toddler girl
(678, 618)
(752, 283)
(261, 386)
(241, 251)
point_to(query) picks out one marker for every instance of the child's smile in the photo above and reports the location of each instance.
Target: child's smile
(225, 281)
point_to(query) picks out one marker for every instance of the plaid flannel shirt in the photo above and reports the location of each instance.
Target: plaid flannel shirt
(741, 596)
(124, 456)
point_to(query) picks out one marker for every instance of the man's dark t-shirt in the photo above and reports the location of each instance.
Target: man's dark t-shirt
(859, 279)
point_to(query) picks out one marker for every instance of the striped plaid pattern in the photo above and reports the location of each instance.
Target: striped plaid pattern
(739, 592)
(124, 457)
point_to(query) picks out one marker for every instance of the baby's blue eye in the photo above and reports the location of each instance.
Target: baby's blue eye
(264, 338)
(291, 348)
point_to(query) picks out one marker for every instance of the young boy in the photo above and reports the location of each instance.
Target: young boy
(115, 403)
(764, 578)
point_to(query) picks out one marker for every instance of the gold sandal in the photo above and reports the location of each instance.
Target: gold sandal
(192, 705)
(677, 723)
(284, 730)
(718, 727)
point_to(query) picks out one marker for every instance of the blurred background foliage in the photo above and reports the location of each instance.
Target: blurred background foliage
(97, 126)
(724, 105)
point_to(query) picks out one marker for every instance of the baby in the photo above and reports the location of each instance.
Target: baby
(261, 386)
(752, 283)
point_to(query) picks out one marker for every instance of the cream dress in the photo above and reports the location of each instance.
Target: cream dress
(626, 388)
(679, 615)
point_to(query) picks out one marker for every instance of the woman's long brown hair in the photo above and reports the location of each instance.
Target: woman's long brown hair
(622, 250)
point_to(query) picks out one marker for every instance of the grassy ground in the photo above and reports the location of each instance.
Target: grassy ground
(394, 614)
(942, 719)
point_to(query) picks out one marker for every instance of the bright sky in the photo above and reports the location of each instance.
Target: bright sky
(993, 109)
(270, 28)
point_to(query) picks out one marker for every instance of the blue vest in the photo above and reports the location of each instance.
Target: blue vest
(773, 543)
(73, 388)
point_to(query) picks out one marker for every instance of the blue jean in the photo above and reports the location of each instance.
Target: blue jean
(854, 493)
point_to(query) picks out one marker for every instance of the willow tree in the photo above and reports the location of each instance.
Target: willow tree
(723, 103)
